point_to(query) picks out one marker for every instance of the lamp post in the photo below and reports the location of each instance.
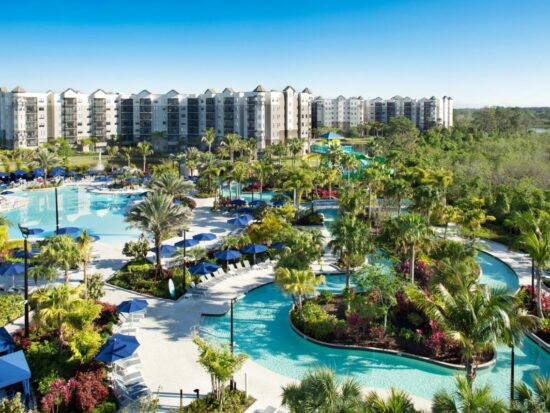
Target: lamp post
(56, 213)
(232, 384)
(25, 231)
(183, 268)
(512, 365)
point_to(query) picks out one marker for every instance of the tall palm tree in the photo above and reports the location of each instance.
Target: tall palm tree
(298, 284)
(63, 252)
(144, 149)
(239, 173)
(537, 245)
(466, 399)
(320, 392)
(351, 241)
(532, 401)
(477, 318)
(54, 305)
(349, 163)
(233, 143)
(192, 158)
(295, 147)
(413, 231)
(397, 189)
(85, 244)
(112, 152)
(126, 152)
(280, 151)
(209, 138)
(397, 401)
(298, 180)
(375, 178)
(46, 160)
(262, 170)
(170, 183)
(160, 217)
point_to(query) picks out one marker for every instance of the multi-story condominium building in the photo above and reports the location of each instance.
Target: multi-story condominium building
(23, 118)
(298, 107)
(103, 115)
(339, 113)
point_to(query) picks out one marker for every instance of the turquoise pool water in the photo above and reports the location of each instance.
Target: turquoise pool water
(266, 195)
(100, 214)
(262, 331)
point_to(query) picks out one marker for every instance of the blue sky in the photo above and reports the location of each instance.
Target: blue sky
(484, 52)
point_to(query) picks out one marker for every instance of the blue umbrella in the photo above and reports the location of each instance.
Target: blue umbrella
(35, 231)
(165, 250)
(187, 243)
(91, 172)
(279, 203)
(31, 253)
(19, 173)
(331, 135)
(38, 172)
(4, 175)
(245, 211)
(254, 249)
(69, 231)
(117, 347)
(7, 193)
(277, 246)
(204, 267)
(227, 255)
(131, 306)
(12, 269)
(6, 341)
(205, 236)
(242, 221)
(59, 171)
(238, 202)
(71, 173)
(257, 203)
(132, 180)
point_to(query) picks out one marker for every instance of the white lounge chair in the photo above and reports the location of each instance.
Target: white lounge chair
(246, 264)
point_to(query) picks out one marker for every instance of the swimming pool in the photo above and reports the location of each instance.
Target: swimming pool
(101, 214)
(262, 331)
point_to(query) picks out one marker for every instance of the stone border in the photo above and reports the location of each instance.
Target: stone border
(391, 352)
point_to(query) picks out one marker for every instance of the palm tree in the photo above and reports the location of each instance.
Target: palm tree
(295, 146)
(280, 151)
(239, 173)
(413, 231)
(397, 189)
(85, 245)
(126, 153)
(5, 222)
(170, 183)
(298, 180)
(192, 158)
(209, 138)
(54, 305)
(144, 149)
(63, 252)
(350, 163)
(375, 178)
(112, 152)
(537, 245)
(297, 284)
(397, 401)
(46, 160)
(233, 143)
(532, 401)
(467, 400)
(262, 171)
(477, 318)
(351, 242)
(160, 217)
(320, 392)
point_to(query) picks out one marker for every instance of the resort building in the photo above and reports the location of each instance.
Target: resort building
(23, 118)
(339, 113)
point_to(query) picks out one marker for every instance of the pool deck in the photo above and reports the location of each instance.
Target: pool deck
(167, 353)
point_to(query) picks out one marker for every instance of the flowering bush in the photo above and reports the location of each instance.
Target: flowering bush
(422, 271)
(322, 193)
(252, 187)
(58, 396)
(525, 295)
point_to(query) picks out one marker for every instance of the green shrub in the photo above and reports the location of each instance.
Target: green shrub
(140, 268)
(235, 401)
(47, 360)
(326, 296)
(11, 307)
(13, 405)
(545, 325)
(415, 319)
(95, 287)
(136, 249)
(107, 407)
(317, 323)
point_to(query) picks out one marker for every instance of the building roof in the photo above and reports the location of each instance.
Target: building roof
(210, 91)
(289, 88)
(18, 89)
(306, 90)
(3, 89)
(259, 88)
(228, 90)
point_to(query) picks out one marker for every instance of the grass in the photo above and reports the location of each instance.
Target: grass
(11, 308)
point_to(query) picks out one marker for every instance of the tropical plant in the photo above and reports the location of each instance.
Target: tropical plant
(295, 147)
(320, 392)
(298, 180)
(63, 252)
(209, 138)
(159, 216)
(144, 149)
(192, 158)
(54, 305)
(95, 288)
(221, 363)
(262, 171)
(297, 284)
(535, 400)
(397, 401)
(467, 399)
(46, 160)
(170, 183)
(126, 152)
(85, 244)
(233, 143)
(476, 318)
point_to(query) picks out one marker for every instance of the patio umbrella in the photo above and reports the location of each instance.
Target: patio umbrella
(187, 243)
(4, 175)
(7, 193)
(204, 267)
(245, 211)
(69, 231)
(35, 231)
(71, 173)
(165, 250)
(242, 221)
(330, 136)
(254, 249)
(279, 203)
(131, 306)
(205, 236)
(21, 253)
(238, 202)
(132, 180)
(19, 173)
(38, 172)
(227, 255)
(277, 246)
(117, 347)
(12, 269)
(257, 203)
(59, 171)
(91, 172)
(6, 341)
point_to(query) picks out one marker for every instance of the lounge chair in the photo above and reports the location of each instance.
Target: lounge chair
(246, 264)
